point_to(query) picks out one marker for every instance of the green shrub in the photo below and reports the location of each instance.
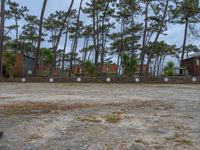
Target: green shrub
(9, 62)
(89, 68)
(129, 65)
(169, 69)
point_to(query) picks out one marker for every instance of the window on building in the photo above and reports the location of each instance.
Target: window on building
(108, 69)
(78, 70)
(198, 62)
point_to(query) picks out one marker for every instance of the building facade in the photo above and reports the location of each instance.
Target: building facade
(24, 67)
(107, 69)
(192, 65)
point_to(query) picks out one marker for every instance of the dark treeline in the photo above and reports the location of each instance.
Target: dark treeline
(127, 32)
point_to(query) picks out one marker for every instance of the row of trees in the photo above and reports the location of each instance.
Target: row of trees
(125, 31)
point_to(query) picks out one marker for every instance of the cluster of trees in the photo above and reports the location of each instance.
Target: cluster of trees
(128, 31)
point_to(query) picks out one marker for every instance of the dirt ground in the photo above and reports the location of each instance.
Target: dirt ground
(46, 116)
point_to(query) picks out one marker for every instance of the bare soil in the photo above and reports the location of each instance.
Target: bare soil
(46, 116)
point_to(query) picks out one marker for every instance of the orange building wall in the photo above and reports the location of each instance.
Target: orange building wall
(192, 66)
(109, 68)
(18, 68)
(78, 69)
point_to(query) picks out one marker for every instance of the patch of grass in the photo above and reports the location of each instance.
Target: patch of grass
(122, 144)
(169, 106)
(37, 108)
(164, 107)
(143, 104)
(91, 119)
(184, 142)
(34, 136)
(3, 98)
(182, 127)
(180, 140)
(134, 104)
(119, 112)
(108, 147)
(158, 146)
(166, 115)
(139, 140)
(113, 118)
(189, 117)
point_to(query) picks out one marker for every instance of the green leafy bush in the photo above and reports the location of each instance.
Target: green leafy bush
(47, 56)
(90, 69)
(9, 62)
(129, 65)
(169, 69)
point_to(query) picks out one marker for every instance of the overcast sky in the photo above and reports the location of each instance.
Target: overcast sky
(35, 6)
(174, 33)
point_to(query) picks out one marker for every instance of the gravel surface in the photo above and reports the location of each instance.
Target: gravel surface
(46, 116)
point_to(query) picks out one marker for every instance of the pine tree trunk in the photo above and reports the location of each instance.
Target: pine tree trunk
(71, 60)
(98, 44)
(17, 36)
(94, 33)
(118, 63)
(84, 52)
(142, 57)
(155, 65)
(53, 65)
(159, 65)
(103, 37)
(122, 47)
(2, 35)
(157, 36)
(185, 39)
(74, 49)
(39, 37)
(133, 35)
(65, 46)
